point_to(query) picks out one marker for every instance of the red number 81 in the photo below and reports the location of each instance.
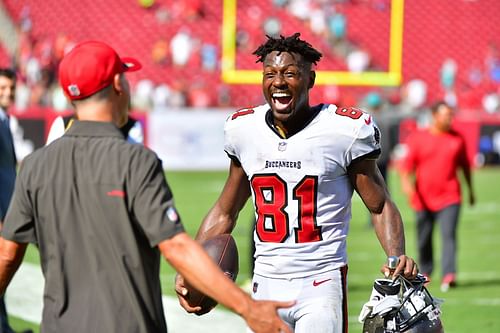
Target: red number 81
(273, 208)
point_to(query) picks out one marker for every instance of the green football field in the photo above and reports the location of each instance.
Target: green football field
(474, 306)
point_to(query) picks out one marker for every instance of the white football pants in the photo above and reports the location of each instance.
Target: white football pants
(321, 300)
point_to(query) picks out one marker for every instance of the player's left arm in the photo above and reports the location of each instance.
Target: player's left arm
(11, 256)
(369, 184)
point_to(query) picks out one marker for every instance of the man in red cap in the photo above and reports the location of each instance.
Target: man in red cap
(101, 213)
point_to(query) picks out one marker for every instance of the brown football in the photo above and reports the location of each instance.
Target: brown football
(222, 249)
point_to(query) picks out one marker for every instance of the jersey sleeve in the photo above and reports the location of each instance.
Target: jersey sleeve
(230, 139)
(366, 142)
(152, 200)
(19, 223)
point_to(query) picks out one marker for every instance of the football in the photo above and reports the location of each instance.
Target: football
(222, 249)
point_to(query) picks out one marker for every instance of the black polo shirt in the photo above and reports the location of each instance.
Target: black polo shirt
(96, 206)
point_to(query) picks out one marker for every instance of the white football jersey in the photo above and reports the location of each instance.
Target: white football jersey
(300, 187)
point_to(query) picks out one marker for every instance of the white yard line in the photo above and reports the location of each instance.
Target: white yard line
(24, 300)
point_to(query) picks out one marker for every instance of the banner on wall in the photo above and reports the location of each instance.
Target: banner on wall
(189, 139)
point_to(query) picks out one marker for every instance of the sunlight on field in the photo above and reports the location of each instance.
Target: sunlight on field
(472, 307)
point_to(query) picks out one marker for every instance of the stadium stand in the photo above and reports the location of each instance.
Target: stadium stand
(463, 30)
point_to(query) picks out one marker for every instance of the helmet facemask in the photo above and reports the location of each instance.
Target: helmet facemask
(401, 305)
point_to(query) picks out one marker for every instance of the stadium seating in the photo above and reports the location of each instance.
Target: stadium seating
(462, 30)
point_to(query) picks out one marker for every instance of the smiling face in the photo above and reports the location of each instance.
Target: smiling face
(286, 81)
(7, 92)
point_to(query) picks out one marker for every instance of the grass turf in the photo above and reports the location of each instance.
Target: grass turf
(473, 306)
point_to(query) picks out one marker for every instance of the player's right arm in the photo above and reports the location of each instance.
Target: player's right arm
(220, 219)
(190, 260)
(223, 215)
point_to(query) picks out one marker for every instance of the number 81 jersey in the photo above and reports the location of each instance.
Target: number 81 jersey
(300, 187)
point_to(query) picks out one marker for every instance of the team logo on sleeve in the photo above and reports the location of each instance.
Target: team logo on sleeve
(172, 214)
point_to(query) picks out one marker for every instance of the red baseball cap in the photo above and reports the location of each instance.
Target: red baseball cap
(91, 66)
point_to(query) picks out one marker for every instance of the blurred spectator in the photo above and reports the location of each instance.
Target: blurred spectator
(448, 74)
(491, 103)
(337, 26)
(41, 89)
(161, 97)
(475, 75)
(280, 3)
(25, 22)
(143, 95)
(181, 46)
(358, 61)
(300, 9)
(162, 15)
(209, 57)
(178, 94)
(317, 21)
(159, 52)
(492, 62)
(414, 95)
(59, 100)
(223, 96)
(243, 43)
(272, 26)
(23, 93)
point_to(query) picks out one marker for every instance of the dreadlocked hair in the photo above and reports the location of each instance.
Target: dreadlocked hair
(288, 44)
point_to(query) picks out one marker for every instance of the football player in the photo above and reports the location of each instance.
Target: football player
(301, 164)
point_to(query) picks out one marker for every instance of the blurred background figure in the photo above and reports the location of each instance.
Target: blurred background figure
(434, 156)
(8, 164)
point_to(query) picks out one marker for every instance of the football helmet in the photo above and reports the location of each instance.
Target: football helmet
(401, 306)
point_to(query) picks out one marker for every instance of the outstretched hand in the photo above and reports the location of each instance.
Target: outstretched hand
(262, 316)
(406, 266)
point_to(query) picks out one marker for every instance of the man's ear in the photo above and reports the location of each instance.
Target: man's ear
(312, 79)
(117, 84)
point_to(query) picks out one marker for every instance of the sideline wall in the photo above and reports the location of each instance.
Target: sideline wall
(193, 139)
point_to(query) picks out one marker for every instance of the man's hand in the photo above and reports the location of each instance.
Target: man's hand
(182, 293)
(262, 316)
(406, 266)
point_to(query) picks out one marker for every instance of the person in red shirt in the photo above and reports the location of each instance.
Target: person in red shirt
(434, 157)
